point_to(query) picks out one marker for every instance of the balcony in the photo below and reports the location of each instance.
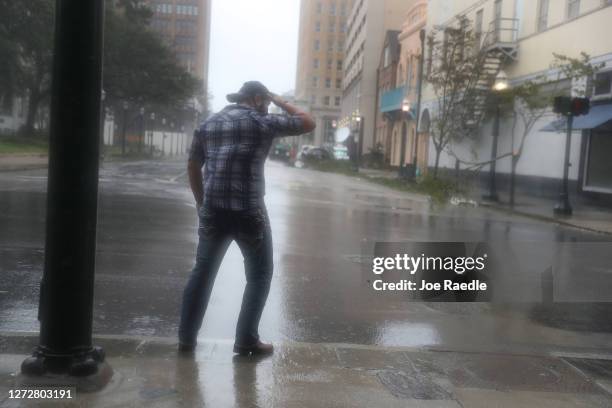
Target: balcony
(502, 37)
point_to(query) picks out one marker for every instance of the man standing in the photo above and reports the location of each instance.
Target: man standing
(233, 145)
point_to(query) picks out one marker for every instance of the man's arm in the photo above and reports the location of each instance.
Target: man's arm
(197, 157)
(308, 121)
(194, 169)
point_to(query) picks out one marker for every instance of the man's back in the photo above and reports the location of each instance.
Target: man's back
(233, 144)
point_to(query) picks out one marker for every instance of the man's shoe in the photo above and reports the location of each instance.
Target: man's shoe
(258, 348)
(186, 348)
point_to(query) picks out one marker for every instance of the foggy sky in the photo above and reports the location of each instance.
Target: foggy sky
(252, 40)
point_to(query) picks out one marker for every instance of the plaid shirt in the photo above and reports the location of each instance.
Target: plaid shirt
(233, 145)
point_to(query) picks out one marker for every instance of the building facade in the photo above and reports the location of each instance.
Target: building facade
(318, 84)
(387, 82)
(399, 105)
(530, 32)
(368, 21)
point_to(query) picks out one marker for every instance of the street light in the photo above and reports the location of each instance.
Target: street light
(143, 129)
(500, 85)
(125, 109)
(406, 105)
(151, 133)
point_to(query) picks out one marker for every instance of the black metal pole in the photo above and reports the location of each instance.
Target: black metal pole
(66, 294)
(564, 207)
(418, 107)
(492, 196)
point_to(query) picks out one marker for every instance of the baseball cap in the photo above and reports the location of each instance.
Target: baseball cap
(248, 90)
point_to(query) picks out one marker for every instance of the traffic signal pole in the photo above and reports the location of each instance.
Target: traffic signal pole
(66, 294)
(564, 207)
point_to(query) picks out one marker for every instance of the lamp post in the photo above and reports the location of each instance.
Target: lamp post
(500, 85)
(125, 109)
(418, 106)
(402, 164)
(151, 133)
(163, 150)
(143, 128)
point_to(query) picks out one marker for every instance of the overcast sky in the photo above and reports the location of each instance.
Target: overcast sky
(252, 40)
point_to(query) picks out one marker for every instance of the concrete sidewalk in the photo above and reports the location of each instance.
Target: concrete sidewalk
(148, 372)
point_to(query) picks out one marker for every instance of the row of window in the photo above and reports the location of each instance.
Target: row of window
(332, 8)
(330, 64)
(328, 82)
(331, 27)
(572, 11)
(330, 45)
(179, 9)
(326, 100)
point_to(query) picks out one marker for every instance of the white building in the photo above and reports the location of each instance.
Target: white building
(532, 31)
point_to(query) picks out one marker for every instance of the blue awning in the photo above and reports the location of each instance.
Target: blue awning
(392, 100)
(598, 115)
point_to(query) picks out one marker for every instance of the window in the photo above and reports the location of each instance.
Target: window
(332, 27)
(318, 26)
(387, 57)
(315, 63)
(319, 8)
(338, 83)
(478, 27)
(313, 99)
(327, 83)
(315, 81)
(339, 65)
(603, 84)
(340, 46)
(329, 64)
(573, 8)
(326, 100)
(317, 45)
(337, 101)
(330, 45)
(543, 15)
(332, 9)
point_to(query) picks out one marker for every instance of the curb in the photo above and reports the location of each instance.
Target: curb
(543, 218)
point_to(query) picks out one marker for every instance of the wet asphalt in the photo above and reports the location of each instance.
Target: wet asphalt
(322, 224)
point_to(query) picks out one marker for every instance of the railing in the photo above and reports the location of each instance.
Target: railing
(502, 31)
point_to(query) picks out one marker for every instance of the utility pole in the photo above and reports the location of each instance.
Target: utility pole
(66, 294)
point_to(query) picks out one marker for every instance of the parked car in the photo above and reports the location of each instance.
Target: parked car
(312, 154)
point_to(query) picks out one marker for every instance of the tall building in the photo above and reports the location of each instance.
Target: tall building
(321, 47)
(368, 21)
(185, 27)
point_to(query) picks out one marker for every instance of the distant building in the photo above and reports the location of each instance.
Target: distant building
(387, 115)
(368, 22)
(318, 84)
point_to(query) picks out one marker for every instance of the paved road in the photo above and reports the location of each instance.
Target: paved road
(321, 225)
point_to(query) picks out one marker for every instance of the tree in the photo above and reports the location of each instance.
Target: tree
(457, 72)
(26, 41)
(138, 67)
(531, 100)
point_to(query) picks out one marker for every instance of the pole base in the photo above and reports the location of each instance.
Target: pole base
(563, 208)
(79, 364)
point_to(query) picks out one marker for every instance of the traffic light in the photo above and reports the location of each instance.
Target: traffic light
(580, 106)
(571, 106)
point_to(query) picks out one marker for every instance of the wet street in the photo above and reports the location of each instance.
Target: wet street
(322, 225)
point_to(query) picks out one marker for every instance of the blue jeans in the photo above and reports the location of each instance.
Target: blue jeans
(251, 231)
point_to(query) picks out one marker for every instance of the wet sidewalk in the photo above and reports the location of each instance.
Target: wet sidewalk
(149, 372)
(585, 216)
